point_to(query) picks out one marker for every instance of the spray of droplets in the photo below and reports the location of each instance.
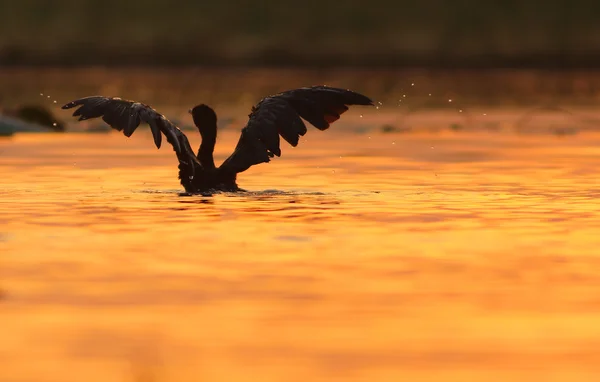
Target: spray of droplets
(450, 100)
(54, 102)
(48, 97)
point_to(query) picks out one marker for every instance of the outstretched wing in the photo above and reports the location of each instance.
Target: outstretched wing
(282, 114)
(126, 116)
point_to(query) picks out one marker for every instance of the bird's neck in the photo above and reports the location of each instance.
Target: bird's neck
(207, 147)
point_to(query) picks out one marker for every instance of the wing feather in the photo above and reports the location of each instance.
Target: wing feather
(281, 115)
(126, 116)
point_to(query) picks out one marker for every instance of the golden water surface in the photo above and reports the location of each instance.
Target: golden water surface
(442, 256)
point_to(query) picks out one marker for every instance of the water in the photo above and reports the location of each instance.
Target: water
(445, 256)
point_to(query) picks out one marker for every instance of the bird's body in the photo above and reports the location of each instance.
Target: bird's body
(274, 116)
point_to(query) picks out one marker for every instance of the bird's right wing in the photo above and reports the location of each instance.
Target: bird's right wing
(126, 116)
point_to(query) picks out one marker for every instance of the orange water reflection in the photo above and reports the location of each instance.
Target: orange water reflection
(430, 257)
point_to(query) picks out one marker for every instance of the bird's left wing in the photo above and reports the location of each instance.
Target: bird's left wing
(281, 115)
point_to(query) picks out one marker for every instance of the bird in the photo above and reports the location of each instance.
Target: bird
(281, 114)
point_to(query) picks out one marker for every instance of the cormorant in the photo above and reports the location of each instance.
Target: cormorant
(273, 116)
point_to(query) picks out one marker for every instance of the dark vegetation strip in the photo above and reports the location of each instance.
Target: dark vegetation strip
(428, 33)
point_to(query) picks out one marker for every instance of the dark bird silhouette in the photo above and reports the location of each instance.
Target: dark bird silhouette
(274, 116)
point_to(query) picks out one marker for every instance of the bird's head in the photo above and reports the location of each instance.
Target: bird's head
(203, 116)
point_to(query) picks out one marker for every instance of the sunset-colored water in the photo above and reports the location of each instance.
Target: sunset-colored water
(442, 256)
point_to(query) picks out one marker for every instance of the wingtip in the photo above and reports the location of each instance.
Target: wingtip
(359, 99)
(363, 102)
(156, 135)
(157, 139)
(367, 101)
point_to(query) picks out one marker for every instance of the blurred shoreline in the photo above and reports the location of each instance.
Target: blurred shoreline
(414, 87)
(385, 33)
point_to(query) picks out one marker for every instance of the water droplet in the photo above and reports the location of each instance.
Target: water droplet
(393, 143)
(54, 101)
(42, 94)
(460, 111)
(484, 114)
(54, 124)
(413, 84)
(403, 95)
(333, 171)
(432, 147)
(430, 94)
(361, 115)
(48, 96)
(380, 103)
(376, 107)
(449, 100)
(369, 137)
